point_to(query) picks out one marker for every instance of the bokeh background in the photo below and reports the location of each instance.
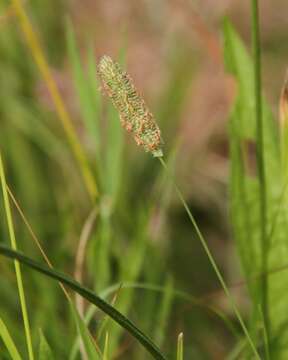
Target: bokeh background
(173, 51)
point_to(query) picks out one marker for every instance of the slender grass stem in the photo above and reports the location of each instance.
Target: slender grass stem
(260, 159)
(16, 263)
(39, 57)
(213, 263)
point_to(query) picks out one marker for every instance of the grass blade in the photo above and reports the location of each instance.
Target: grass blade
(8, 341)
(106, 347)
(45, 352)
(84, 86)
(162, 317)
(88, 343)
(88, 295)
(17, 265)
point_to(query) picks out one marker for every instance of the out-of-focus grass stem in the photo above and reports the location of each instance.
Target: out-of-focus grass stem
(39, 57)
(16, 263)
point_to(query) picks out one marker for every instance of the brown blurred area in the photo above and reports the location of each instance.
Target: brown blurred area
(155, 34)
(174, 54)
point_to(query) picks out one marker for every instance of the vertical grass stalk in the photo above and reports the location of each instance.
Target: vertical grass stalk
(39, 57)
(16, 263)
(180, 347)
(260, 160)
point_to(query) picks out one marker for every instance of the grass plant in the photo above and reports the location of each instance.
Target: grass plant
(123, 241)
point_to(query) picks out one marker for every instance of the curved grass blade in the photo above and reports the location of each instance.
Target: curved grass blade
(88, 295)
(177, 294)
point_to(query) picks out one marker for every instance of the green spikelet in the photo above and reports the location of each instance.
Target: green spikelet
(134, 114)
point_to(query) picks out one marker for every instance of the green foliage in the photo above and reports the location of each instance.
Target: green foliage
(88, 295)
(245, 197)
(139, 224)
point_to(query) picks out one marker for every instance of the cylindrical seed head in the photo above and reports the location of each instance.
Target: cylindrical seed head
(134, 114)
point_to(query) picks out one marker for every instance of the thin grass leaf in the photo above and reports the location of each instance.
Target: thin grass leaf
(237, 350)
(161, 320)
(44, 352)
(95, 96)
(130, 266)
(85, 86)
(88, 295)
(177, 294)
(106, 319)
(101, 247)
(88, 342)
(8, 341)
(114, 155)
(16, 264)
(106, 347)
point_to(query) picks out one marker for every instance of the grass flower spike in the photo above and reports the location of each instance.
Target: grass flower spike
(134, 115)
